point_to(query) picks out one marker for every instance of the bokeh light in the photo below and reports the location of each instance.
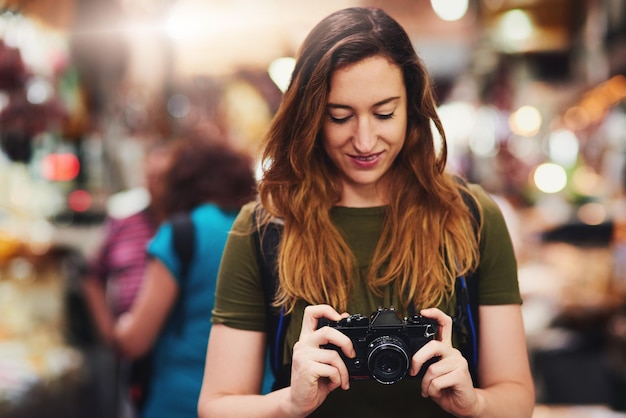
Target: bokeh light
(450, 10)
(563, 147)
(516, 25)
(79, 201)
(60, 167)
(525, 121)
(280, 71)
(550, 178)
(592, 213)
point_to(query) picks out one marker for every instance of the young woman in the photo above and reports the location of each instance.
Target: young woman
(371, 219)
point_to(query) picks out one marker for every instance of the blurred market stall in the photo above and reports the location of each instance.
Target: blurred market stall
(532, 96)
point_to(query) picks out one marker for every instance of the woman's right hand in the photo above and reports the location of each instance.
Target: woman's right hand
(316, 371)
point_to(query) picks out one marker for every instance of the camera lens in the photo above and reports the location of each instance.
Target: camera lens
(388, 359)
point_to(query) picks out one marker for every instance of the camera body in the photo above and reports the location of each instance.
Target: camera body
(384, 343)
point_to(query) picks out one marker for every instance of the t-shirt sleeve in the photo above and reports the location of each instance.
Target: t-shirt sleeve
(498, 281)
(161, 247)
(239, 300)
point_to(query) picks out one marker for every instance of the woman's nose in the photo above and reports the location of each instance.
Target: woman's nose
(364, 138)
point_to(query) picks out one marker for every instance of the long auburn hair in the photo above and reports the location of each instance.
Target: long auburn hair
(428, 233)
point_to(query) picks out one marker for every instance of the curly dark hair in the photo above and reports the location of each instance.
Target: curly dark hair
(205, 169)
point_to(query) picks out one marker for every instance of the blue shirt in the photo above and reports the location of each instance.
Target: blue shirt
(180, 350)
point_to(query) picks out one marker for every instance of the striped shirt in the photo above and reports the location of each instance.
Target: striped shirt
(121, 260)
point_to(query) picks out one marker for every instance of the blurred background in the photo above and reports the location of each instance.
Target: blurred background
(532, 95)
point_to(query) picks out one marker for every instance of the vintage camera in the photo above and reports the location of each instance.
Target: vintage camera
(384, 343)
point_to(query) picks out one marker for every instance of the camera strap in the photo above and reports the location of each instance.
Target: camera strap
(464, 324)
(266, 240)
(183, 241)
(465, 321)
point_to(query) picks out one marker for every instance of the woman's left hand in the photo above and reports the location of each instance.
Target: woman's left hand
(448, 381)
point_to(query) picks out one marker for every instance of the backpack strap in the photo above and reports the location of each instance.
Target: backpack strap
(266, 241)
(183, 239)
(465, 321)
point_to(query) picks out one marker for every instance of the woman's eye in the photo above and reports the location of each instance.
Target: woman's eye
(385, 116)
(339, 120)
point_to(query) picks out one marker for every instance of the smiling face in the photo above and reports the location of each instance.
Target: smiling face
(365, 127)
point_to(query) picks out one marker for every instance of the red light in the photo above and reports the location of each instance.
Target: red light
(60, 167)
(79, 201)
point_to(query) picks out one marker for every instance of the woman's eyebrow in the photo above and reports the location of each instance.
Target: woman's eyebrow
(380, 103)
(337, 106)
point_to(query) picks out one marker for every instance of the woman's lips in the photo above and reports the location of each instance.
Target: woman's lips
(366, 161)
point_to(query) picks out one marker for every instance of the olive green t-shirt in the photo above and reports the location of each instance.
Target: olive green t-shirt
(239, 301)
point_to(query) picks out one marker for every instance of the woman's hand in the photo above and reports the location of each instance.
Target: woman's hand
(448, 381)
(317, 371)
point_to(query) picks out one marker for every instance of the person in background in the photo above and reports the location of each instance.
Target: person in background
(370, 219)
(172, 314)
(115, 272)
